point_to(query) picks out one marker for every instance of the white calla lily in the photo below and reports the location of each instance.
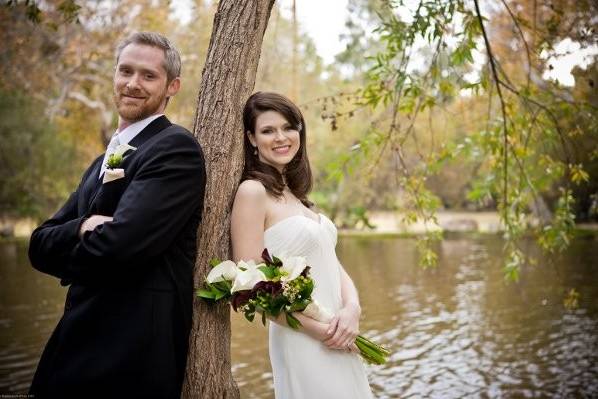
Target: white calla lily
(247, 279)
(293, 266)
(226, 270)
(122, 148)
(249, 265)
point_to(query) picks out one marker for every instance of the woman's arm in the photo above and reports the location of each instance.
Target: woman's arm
(315, 329)
(344, 327)
(248, 220)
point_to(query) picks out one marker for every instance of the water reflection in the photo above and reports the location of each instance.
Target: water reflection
(455, 331)
(30, 306)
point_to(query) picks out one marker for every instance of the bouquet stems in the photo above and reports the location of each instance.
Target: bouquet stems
(371, 352)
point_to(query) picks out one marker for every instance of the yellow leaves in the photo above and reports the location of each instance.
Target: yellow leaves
(577, 131)
(578, 175)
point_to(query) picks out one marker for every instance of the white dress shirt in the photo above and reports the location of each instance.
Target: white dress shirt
(127, 134)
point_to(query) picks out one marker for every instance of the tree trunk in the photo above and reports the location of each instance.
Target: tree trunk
(228, 79)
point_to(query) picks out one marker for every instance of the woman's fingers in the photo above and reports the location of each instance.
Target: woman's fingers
(341, 339)
(333, 327)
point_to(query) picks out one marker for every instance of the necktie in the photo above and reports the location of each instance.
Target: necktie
(114, 142)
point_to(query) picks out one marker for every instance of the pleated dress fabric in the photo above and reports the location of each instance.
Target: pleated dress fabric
(302, 366)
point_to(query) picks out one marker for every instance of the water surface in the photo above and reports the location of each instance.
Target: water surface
(457, 331)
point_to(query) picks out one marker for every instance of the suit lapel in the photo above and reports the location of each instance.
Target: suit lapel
(92, 183)
(155, 127)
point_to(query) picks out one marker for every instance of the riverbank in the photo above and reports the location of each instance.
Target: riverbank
(391, 224)
(386, 224)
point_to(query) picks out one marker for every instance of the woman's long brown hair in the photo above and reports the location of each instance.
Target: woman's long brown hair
(297, 173)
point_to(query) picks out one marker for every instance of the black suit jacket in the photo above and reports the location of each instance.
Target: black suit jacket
(125, 328)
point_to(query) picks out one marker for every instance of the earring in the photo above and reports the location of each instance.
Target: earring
(255, 150)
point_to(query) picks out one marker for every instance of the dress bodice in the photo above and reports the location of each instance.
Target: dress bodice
(299, 235)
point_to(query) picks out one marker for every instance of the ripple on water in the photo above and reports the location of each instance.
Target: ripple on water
(455, 332)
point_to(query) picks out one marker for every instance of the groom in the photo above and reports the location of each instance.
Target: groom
(125, 241)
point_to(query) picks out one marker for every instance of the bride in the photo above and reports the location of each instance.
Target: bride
(271, 210)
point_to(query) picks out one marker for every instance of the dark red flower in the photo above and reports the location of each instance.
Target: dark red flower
(240, 298)
(270, 287)
(266, 256)
(305, 272)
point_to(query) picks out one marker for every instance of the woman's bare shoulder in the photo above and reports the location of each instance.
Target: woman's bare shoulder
(251, 190)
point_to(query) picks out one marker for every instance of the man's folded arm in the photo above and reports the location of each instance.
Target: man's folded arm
(154, 208)
(51, 243)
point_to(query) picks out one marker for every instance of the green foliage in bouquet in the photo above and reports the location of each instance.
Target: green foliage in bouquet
(217, 290)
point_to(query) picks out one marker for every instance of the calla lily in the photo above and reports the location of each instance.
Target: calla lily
(249, 265)
(292, 266)
(122, 148)
(226, 270)
(245, 280)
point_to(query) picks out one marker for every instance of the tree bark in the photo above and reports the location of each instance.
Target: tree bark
(227, 80)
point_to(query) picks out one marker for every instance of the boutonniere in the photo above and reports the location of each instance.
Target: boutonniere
(113, 172)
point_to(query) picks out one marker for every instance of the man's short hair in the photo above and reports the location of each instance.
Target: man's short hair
(172, 58)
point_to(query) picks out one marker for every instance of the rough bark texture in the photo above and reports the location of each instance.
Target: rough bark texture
(228, 79)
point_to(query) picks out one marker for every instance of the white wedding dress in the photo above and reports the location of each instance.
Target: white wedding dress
(304, 368)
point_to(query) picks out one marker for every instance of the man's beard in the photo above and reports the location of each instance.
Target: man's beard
(134, 113)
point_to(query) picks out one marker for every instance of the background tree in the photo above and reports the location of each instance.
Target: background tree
(523, 150)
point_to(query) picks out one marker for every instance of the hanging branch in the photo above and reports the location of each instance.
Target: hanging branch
(502, 106)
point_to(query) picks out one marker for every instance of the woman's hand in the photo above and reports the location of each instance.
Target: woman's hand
(324, 332)
(344, 327)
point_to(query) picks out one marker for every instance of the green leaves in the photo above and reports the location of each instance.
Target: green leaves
(292, 321)
(556, 236)
(271, 272)
(216, 291)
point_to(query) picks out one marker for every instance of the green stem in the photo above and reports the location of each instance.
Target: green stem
(371, 352)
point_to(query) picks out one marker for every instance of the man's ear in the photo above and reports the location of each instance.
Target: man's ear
(173, 87)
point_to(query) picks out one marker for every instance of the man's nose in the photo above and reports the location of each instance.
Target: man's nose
(133, 82)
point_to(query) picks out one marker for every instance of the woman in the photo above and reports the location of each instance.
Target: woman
(271, 210)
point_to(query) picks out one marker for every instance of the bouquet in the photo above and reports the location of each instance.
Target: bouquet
(277, 285)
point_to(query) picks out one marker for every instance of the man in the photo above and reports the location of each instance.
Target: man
(125, 241)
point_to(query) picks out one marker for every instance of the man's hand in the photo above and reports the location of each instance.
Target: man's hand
(92, 222)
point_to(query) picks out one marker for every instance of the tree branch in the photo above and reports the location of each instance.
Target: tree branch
(502, 106)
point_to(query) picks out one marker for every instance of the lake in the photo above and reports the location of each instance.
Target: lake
(456, 331)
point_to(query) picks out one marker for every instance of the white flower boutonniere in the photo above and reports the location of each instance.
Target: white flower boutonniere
(113, 172)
